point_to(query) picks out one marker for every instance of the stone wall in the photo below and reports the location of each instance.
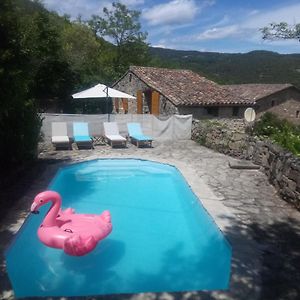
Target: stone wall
(281, 167)
(224, 135)
(230, 136)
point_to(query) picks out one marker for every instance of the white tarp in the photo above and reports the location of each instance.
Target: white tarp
(175, 127)
(101, 91)
(180, 123)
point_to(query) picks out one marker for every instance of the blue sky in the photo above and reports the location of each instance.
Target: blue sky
(203, 25)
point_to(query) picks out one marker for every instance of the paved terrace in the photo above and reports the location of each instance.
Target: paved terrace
(264, 231)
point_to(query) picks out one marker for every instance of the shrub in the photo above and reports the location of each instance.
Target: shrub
(280, 131)
(19, 121)
(20, 133)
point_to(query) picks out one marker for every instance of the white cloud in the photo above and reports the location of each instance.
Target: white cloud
(248, 27)
(85, 8)
(218, 33)
(75, 8)
(174, 12)
(132, 2)
(253, 12)
(159, 46)
(222, 22)
(289, 14)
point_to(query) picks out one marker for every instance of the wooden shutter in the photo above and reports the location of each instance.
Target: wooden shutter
(125, 105)
(139, 96)
(117, 105)
(155, 103)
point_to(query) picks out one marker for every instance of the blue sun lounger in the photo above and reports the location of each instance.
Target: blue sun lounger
(81, 135)
(136, 135)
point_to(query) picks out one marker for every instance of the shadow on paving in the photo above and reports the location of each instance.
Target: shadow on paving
(280, 259)
(16, 184)
(274, 270)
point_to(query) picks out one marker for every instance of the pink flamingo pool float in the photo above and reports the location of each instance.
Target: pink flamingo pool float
(76, 234)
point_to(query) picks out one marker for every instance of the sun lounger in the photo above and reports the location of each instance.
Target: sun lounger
(59, 135)
(112, 135)
(136, 135)
(81, 135)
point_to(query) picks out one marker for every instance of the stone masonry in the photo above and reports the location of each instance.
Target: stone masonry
(231, 137)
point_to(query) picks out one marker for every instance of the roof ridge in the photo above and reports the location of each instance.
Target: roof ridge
(159, 68)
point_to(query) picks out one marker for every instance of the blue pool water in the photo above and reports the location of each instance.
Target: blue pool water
(162, 238)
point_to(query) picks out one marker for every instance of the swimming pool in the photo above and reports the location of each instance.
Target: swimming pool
(162, 238)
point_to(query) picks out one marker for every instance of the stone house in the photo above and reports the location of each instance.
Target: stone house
(280, 99)
(171, 91)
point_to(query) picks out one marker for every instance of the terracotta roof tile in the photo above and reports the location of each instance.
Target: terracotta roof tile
(256, 91)
(186, 88)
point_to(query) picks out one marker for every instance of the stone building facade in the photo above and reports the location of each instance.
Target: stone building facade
(168, 91)
(280, 99)
(131, 84)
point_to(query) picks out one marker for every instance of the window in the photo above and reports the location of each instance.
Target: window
(297, 113)
(130, 77)
(235, 111)
(272, 103)
(213, 111)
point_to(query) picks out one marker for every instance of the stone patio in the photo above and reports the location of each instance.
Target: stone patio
(264, 231)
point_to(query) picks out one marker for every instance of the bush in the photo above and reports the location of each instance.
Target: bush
(19, 121)
(280, 131)
(20, 133)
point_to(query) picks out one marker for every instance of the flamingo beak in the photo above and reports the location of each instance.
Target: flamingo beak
(33, 208)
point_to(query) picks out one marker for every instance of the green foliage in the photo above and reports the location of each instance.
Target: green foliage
(280, 131)
(281, 31)
(84, 53)
(52, 76)
(44, 58)
(123, 27)
(19, 121)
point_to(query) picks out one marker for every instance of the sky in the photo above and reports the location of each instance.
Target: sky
(227, 26)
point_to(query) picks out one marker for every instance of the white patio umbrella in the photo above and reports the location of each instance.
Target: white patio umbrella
(102, 91)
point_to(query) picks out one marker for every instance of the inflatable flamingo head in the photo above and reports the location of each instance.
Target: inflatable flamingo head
(43, 198)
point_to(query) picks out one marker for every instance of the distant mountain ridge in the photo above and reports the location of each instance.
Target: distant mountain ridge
(234, 68)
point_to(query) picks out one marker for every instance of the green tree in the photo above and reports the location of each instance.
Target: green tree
(86, 54)
(281, 31)
(122, 26)
(19, 120)
(52, 77)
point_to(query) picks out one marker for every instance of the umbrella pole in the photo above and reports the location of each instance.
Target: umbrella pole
(108, 116)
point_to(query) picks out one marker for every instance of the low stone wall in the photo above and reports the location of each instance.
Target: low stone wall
(281, 167)
(224, 135)
(231, 137)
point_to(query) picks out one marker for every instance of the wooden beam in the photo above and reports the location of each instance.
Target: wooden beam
(139, 96)
(155, 103)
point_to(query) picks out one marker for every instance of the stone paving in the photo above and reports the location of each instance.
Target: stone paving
(264, 231)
